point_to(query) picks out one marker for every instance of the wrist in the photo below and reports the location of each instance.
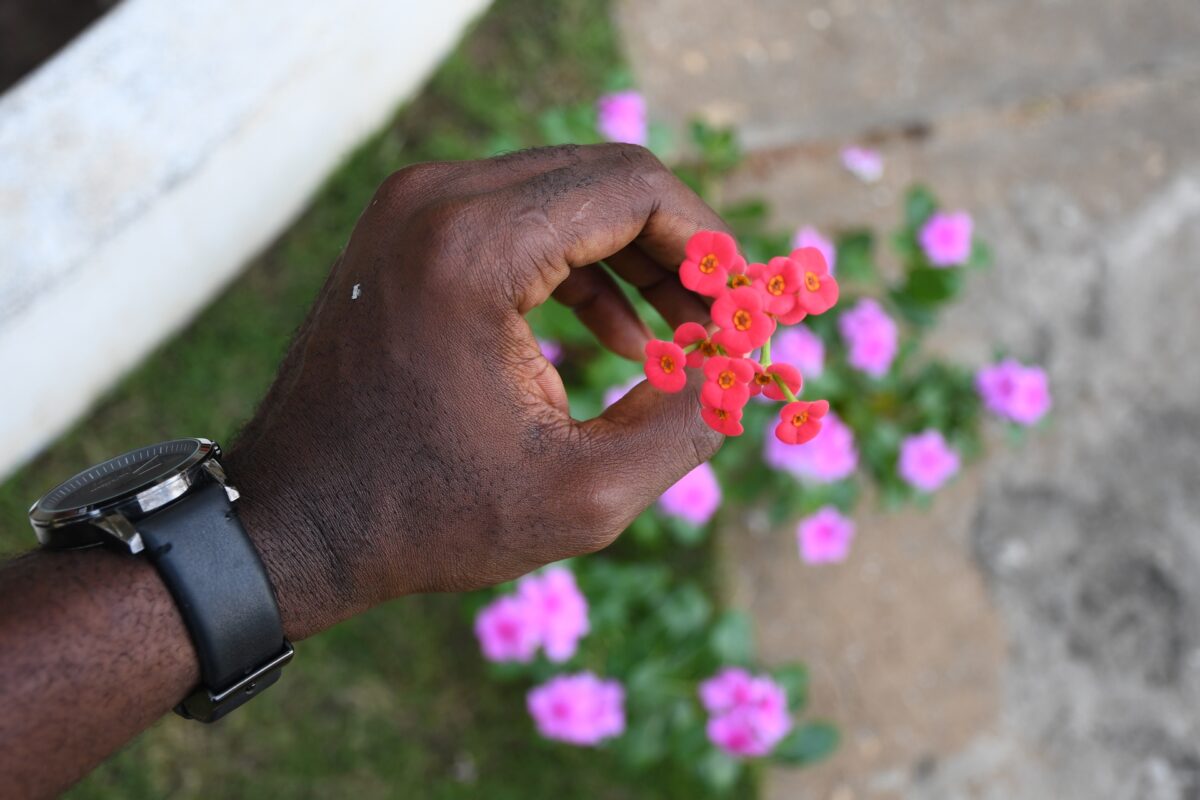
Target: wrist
(313, 585)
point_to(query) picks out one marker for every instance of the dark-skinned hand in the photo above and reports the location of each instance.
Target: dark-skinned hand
(415, 439)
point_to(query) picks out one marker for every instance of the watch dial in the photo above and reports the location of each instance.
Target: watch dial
(120, 476)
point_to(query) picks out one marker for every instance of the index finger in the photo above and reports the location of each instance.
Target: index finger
(584, 212)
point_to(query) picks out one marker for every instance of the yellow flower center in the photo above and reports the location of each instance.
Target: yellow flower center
(726, 379)
(811, 281)
(763, 379)
(708, 348)
(800, 419)
(742, 319)
(667, 363)
(739, 280)
(709, 263)
(777, 285)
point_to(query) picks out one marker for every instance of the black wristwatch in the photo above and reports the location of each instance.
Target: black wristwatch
(171, 503)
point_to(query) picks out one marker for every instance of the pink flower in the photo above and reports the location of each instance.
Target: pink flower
(946, 238)
(1014, 391)
(749, 715)
(926, 461)
(665, 364)
(580, 709)
(863, 163)
(871, 336)
(507, 630)
(830, 456)
(558, 609)
(693, 498)
(615, 393)
(727, 689)
(551, 350)
(621, 117)
(736, 734)
(808, 236)
(802, 347)
(825, 537)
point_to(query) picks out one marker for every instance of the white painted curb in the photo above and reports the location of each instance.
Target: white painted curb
(145, 164)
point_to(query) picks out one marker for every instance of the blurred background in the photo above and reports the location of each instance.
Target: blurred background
(175, 183)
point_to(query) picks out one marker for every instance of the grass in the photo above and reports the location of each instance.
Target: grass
(397, 702)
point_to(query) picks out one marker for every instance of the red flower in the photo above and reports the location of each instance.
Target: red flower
(744, 323)
(711, 257)
(664, 365)
(799, 422)
(740, 277)
(792, 317)
(760, 380)
(726, 385)
(818, 289)
(733, 346)
(790, 376)
(779, 279)
(722, 421)
(694, 333)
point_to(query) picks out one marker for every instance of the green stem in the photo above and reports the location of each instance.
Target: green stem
(692, 347)
(784, 388)
(765, 361)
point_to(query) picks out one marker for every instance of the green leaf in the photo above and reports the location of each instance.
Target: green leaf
(648, 682)
(685, 533)
(747, 216)
(685, 611)
(916, 312)
(855, 256)
(794, 679)
(807, 744)
(646, 530)
(930, 286)
(719, 771)
(919, 205)
(719, 149)
(644, 743)
(574, 124)
(731, 640)
(981, 254)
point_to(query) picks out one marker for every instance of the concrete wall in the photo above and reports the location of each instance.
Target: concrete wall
(146, 163)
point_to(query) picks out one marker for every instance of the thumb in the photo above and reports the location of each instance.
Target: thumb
(639, 447)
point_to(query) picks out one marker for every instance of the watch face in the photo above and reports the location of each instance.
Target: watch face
(126, 474)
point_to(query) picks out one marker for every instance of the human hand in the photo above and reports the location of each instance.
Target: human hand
(415, 439)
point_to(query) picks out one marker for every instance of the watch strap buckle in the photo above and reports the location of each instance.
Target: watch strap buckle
(208, 705)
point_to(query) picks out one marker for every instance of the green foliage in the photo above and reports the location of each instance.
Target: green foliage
(807, 744)
(406, 687)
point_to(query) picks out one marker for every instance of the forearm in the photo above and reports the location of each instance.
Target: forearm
(94, 651)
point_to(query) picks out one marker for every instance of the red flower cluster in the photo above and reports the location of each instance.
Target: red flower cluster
(749, 302)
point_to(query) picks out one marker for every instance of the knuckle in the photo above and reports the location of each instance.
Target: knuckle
(601, 513)
(411, 187)
(639, 161)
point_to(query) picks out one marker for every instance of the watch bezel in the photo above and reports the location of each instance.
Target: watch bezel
(67, 528)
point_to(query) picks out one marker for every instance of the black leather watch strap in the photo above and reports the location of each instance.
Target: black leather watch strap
(219, 582)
